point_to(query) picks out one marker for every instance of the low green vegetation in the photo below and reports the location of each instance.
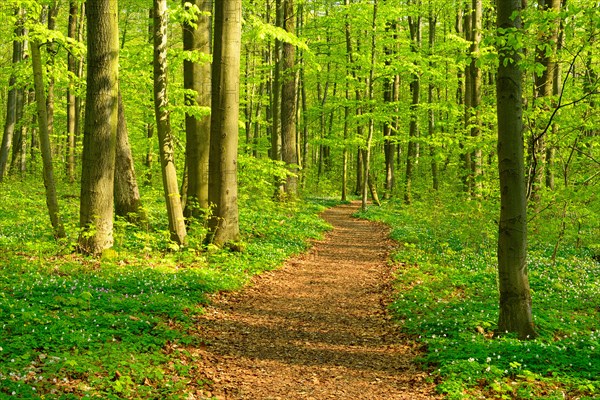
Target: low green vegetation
(121, 326)
(446, 297)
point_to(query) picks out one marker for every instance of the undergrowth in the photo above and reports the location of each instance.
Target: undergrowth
(120, 326)
(446, 297)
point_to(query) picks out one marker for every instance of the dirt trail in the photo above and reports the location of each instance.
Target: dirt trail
(315, 329)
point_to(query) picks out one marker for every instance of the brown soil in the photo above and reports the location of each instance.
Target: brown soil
(316, 328)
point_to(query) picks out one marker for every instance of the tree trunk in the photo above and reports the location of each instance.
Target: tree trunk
(556, 90)
(369, 139)
(289, 152)
(127, 195)
(276, 89)
(430, 99)
(515, 296)
(197, 37)
(476, 83)
(40, 99)
(544, 85)
(224, 224)
(71, 98)
(415, 88)
(101, 119)
(13, 96)
(163, 126)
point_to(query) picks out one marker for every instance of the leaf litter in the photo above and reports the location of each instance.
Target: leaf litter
(317, 328)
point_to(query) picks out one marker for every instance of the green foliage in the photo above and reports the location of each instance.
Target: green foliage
(121, 326)
(447, 298)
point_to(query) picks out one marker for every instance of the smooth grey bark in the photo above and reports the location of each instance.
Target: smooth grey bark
(72, 115)
(289, 153)
(100, 129)
(163, 126)
(128, 203)
(543, 89)
(223, 223)
(15, 95)
(367, 152)
(51, 50)
(430, 99)
(515, 296)
(415, 89)
(197, 37)
(275, 151)
(48, 170)
(475, 95)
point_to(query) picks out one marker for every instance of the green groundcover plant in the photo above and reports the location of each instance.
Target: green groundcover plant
(121, 326)
(446, 297)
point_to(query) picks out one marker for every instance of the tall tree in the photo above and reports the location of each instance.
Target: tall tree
(369, 139)
(515, 296)
(40, 99)
(128, 203)
(196, 77)
(224, 223)
(414, 22)
(276, 89)
(72, 112)
(163, 125)
(100, 130)
(430, 99)
(15, 94)
(474, 120)
(545, 56)
(289, 152)
(51, 48)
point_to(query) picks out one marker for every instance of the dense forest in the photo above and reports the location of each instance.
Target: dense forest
(155, 152)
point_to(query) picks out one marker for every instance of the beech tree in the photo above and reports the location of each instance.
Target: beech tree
(100, 130)
(163, 126)
(223, 191)
(48, 168)
(289, 151)
(197, 37)
(515, 296)
(127, 195)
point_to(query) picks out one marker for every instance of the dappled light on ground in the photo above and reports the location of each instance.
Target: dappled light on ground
(318, 328)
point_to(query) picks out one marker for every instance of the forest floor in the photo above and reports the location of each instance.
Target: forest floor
(317, 328)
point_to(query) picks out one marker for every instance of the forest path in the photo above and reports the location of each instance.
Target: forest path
(316, 328)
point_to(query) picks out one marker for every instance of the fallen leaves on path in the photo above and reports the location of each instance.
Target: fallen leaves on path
(316, 328)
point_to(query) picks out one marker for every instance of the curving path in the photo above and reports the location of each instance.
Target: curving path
(315, 329)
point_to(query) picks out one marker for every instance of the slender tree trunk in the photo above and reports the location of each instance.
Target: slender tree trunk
(71, 98)
(163, 125)
(127, 195)
(51, 197)
(515, 296)
(543, 89)
(415, 88)
(369, 139)
(389, 147)
(224, 222)
(288, 103)
(197, 37)
(52, 50)
(101, 119)
(556, 90)
(430, 99)
(476, 83)
(13, 96)
(276, 89)
(462, 99)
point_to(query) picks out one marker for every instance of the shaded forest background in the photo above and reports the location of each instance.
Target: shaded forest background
(394, 100)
